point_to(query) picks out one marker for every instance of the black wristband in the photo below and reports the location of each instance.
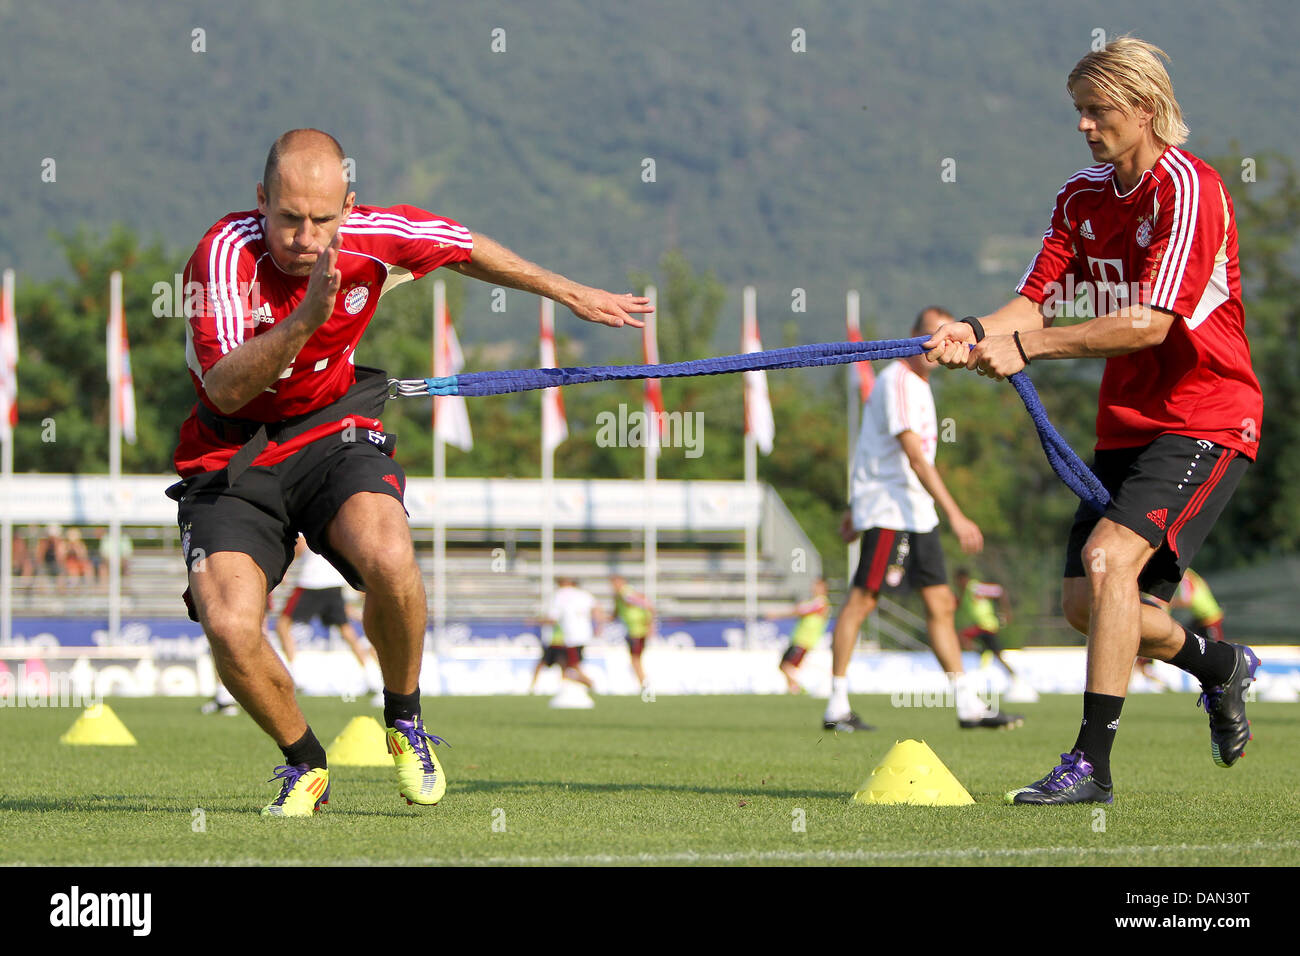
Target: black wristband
(1015, 337)
(978, 326)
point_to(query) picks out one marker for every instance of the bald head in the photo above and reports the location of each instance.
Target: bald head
(303, 154)
(304, 197)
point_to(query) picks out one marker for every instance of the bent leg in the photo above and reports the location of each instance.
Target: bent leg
(1161, 636)
(229, 592)
(371, 532)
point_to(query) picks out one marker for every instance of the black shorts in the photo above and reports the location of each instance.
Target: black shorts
(635, 645)
(262, 514)
(893, 559)
(794, 654)
(324, 603)
(989, 639)
(564, 656)
(1170, 492)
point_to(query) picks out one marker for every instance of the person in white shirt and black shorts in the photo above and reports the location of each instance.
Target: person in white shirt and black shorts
(894, 489)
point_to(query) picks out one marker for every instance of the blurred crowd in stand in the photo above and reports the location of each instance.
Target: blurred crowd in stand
(65, 555)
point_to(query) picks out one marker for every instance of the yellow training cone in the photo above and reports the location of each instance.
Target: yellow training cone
(912, 774)
(363, 743)
(99, 726)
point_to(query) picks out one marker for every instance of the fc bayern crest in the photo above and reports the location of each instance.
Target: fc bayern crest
(1144, 233)
(355, 300)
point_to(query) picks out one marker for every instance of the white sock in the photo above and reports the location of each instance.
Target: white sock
(838, 705)
(970, 706)
(223, 697)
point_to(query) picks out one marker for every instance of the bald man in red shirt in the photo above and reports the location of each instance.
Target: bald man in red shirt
(286, 436)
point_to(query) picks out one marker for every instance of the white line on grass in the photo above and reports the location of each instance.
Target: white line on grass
(762, 856)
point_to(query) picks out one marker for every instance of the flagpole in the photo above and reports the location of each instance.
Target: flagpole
(750, 318)
(651, 559)
(439, 469)
(854, 421)
(548, 489)
(115, 319)
(6, 479)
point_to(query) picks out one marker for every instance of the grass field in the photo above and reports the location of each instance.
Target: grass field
(708, 780)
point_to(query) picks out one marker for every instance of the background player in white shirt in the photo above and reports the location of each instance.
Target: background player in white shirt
(319, 594)
(894, 489)
(575, 616)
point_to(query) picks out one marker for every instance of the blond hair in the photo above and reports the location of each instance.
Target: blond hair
(1128, 72)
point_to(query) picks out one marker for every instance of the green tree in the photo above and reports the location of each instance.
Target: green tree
(1263, 517)
(63, 395)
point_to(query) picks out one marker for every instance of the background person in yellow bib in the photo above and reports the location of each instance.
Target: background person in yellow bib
(808, 633)
(977, 619)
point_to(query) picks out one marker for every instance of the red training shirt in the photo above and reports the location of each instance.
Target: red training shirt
(234, 290)
(1169, 243)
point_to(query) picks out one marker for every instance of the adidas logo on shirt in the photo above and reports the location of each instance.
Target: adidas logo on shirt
(1158, 518)
(1086, 229)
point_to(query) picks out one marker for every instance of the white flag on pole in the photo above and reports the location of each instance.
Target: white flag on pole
(8, 358)
(654, 392)
(554, 428)
(758, 408)
(450, 414)
(121, 377)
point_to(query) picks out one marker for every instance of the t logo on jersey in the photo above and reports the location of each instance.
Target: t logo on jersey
(1100, 269)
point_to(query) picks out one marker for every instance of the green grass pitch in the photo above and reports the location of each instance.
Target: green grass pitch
(681, 780)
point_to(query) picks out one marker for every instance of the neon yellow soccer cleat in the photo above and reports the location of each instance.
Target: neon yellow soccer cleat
(304, 790)
(418, 770)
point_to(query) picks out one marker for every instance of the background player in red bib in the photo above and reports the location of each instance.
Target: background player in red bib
(1149, 232)
(286, 435)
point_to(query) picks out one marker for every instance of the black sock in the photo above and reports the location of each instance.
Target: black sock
(400, 706)
(1210, 662)
(1097, 732)
(305, 750)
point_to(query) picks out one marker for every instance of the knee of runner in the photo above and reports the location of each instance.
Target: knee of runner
(232, 636)
(390, 572)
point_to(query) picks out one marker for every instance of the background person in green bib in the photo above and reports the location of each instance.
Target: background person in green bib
(977, 617)
(637, 614)
(1195, 595)
(808, 633)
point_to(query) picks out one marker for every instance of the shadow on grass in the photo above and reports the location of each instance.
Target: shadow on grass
(112, 803)
(124, 803)
(494, 786)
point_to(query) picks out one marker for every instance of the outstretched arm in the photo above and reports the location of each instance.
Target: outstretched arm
(493, 262)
